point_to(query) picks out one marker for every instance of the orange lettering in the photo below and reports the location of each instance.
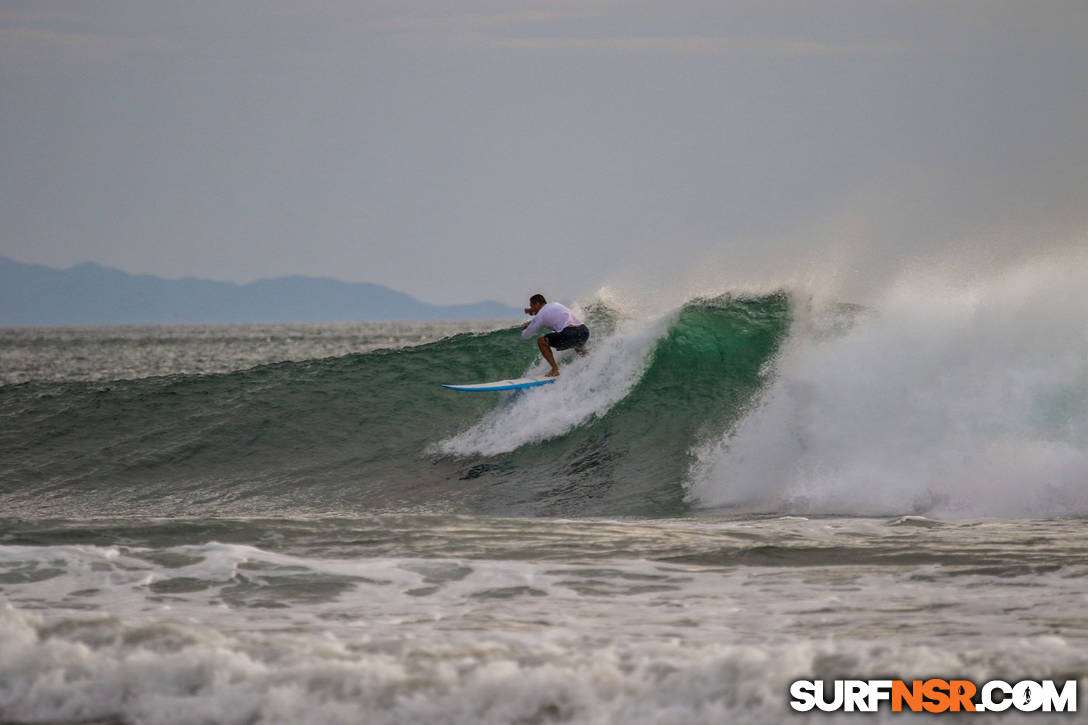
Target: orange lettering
(961, 693)
(937, 692)
(912, 695)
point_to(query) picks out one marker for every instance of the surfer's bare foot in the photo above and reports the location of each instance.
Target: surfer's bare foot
(582, 352)
(553, 374)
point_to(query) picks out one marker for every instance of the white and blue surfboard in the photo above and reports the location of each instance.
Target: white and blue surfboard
(516, 384)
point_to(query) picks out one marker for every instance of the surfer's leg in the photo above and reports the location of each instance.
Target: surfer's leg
(580, 344)
(546, 351)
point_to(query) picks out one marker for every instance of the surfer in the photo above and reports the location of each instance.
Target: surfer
(567, 330)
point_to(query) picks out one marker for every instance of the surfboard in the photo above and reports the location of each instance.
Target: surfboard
(516, 384)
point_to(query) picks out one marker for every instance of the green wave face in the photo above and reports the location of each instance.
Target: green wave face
(361, 433)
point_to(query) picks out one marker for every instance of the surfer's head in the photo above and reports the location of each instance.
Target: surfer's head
(536, 302)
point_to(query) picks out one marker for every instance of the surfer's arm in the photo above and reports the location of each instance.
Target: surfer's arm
(532, 328)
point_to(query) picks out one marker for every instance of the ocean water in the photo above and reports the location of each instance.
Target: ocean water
(140, 351)
(285, 524)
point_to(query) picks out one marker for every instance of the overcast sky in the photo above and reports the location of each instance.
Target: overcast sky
(488, 149)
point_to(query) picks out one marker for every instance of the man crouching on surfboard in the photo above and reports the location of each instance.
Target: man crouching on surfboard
(567, 330)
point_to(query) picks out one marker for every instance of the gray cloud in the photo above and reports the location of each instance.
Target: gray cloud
(483, 151)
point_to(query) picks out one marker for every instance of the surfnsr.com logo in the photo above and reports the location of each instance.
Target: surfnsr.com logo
(933, 695)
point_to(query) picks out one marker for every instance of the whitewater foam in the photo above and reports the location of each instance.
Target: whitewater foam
(195, 674)
(960, 401)
(230, 633)
(588, 387)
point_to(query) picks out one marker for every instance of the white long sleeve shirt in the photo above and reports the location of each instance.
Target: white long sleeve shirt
(553, 316)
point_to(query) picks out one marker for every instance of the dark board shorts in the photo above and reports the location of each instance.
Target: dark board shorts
(568, 337)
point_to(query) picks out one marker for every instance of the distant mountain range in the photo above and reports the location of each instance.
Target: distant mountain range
(90, 294)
